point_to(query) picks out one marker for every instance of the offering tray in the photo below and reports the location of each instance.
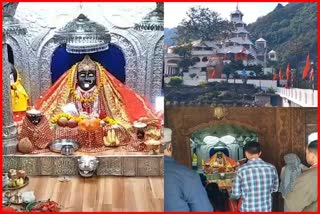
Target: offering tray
(25, 183)
(220, 175)
(222, 183)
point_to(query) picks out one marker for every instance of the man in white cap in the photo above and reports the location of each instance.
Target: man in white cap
(183, 190)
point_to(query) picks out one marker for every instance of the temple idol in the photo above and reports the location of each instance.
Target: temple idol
(81, 101)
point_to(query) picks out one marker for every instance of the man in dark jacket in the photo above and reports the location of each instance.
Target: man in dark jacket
(183, 190)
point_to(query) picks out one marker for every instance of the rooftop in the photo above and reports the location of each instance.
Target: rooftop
(237, 11)
(234, 49)
(260, 40)
(240, 40)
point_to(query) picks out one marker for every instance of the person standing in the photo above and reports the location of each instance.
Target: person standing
(255, 181)
(304, 194)
(289, 173)
(183, 190)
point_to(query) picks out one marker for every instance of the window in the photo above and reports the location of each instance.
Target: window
(205, 59)
(196, 59)
(203, 69)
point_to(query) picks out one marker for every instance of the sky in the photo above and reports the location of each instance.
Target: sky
(175, 12)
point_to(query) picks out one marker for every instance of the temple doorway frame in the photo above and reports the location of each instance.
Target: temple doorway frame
(212, 123)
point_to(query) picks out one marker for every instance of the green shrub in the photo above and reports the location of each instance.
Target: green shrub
(271, 90)
(203, 84)
(175, 81)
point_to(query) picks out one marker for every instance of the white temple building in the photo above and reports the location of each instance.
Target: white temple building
(211, 55)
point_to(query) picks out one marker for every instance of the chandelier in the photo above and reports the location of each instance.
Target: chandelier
(83, 36)
(153, 21)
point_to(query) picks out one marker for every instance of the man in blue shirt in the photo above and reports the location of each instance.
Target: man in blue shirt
(255, 181)
(183, 190)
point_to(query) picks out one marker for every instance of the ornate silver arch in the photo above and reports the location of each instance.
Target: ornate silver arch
(44, 66)
(131, 59)
(19, 49)
(131, 67)
(157, 69)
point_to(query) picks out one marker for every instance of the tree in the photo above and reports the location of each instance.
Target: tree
(235, 76)
(205, 24)
(227, 70)
(231, 68)
(184, 51)
(175, 81)
(257, 69)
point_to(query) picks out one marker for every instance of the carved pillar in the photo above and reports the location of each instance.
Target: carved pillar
(9, 130)
(11, 26)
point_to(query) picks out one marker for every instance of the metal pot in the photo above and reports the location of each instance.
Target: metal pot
(67, 150)
(64, 146)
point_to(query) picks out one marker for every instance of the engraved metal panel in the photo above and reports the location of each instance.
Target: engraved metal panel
(148, 166)
(109, 166)
(11, 162)
(30, 165)
(65, 166)
(46, 166)
(129, 166)
(162, 166)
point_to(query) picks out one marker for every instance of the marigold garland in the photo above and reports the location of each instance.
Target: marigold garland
(56, 118)
(110, 121)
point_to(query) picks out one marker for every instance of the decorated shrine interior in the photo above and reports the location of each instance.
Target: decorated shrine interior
(210, 140)
(82, 91)
(112, 59)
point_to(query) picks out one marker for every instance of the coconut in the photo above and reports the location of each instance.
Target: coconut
(25, 146)
(63, 121)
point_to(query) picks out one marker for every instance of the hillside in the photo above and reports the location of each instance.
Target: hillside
(291, 31)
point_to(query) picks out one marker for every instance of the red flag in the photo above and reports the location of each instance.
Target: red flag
(306, 67)
(212, 74)
(311, 74)
(280, 74)
(288, 72)
(274, 76)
